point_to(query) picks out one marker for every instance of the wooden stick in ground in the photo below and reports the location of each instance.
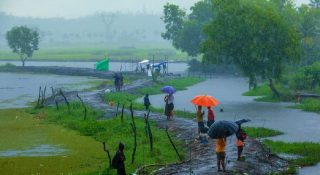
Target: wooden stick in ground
(122, 110)
(65, 99)
(117, 109)
(54, 98)
(134, 130)
(148, 128)
(108, 153)
(38, 102)
(159, 165)
(43, 98)
(84, 107)
(173, 145)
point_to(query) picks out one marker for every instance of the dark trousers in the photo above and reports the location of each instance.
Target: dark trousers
(121, 171)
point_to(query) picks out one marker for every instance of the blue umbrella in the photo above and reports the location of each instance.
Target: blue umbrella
(168, 89)
(222, 129)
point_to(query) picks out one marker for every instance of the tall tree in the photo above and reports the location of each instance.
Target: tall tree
(310, 30)
(23, 41)
(173, 19)
(254, 34)
(186, 31)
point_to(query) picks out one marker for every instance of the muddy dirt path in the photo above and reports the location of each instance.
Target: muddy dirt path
(202, 156)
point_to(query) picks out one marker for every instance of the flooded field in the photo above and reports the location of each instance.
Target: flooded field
(17, 90)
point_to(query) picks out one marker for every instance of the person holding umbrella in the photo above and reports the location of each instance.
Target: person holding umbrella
(220, 130)
(200, 115)
(168, 99)
(221, 153)
(169, 106)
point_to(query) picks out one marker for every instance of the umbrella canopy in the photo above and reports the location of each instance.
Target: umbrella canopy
(205, 100)
(222, 129)
(168, 89)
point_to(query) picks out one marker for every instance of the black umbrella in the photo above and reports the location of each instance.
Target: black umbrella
(222, 129)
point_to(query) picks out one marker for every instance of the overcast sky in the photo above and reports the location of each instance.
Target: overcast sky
(77, 8)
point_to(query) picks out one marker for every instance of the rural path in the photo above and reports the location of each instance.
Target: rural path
(202, 156)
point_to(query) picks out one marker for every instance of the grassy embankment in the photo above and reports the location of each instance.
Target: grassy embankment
(127, 98)
(81, 137)
(295, 81)
(309, 151)
(265, 95)
(93, 54)
(261, 132)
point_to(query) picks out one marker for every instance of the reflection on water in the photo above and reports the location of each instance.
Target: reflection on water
(19, 89)
(114, 66)
(40, 150)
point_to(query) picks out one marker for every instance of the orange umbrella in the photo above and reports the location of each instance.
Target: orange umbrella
(205, 100)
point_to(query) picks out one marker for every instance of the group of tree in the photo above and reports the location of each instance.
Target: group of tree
(259, 36)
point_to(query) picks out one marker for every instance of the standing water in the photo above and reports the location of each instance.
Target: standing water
(297, 126)
(19, 89)
(114, 66)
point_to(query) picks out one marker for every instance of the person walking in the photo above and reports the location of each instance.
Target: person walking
(200, 115)
(118, 160)
(117, 81)
(169, 106)
(166, 107)
(221, 154)
(146, 101)
(211, 117)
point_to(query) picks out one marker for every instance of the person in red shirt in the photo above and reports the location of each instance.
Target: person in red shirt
(211, 117)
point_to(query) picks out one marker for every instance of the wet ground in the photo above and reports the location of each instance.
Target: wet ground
(295, 124)
(202, 156)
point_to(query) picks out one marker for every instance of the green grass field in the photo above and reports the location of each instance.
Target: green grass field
(97, 53)
(20, 129)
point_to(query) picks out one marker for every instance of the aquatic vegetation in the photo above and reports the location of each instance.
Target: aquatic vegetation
(309, 151)
(261, 132)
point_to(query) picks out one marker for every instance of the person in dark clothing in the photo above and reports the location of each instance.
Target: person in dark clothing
(211, 117)
(118, 160)
(117, 81)
(146, 101)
